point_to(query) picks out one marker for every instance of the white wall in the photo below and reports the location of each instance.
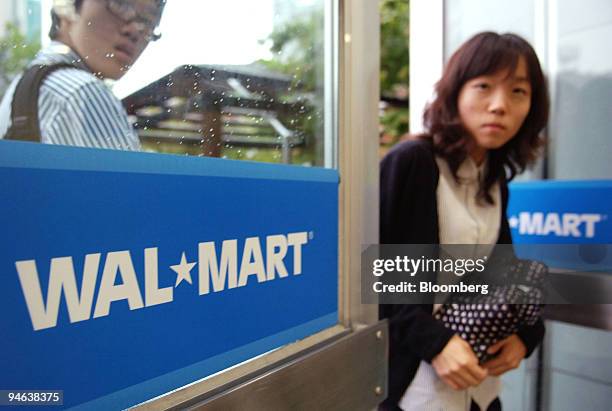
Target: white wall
(426, 55)
(582, 109)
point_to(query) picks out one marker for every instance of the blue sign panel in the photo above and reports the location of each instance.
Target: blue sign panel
(571, 213)
(128, 275)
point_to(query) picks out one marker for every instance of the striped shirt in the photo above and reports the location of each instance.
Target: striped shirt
(75, 107)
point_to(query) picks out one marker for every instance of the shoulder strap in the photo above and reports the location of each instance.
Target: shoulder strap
(24, 113)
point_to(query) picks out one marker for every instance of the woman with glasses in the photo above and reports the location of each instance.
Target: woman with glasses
(92, 40)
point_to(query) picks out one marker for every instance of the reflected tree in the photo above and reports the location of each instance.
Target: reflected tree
(394, 55)
(297, 50)
(15, 53)
(394, 71)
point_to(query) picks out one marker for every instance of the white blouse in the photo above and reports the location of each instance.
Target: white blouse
(461, 220)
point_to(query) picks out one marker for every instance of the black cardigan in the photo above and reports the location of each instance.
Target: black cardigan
(408, 215)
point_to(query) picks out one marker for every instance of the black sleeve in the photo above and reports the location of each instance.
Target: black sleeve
(395, 185)
(407, 184)
(412, 328)
(408, 181)
(532, 335)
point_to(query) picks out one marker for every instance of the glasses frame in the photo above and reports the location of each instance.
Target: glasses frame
(127, 13)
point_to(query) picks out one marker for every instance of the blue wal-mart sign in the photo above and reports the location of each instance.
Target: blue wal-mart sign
(128, 275)
(571, 213)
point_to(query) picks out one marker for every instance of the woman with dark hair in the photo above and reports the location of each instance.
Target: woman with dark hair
(449, 186)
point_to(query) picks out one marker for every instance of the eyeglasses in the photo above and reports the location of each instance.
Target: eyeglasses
(127, 11)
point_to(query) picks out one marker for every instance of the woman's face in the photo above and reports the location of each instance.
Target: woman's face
(493, 107)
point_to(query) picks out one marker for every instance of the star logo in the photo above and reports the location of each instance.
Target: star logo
(183, 271)
(513, 222)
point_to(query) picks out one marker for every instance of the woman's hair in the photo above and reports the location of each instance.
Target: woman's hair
(487, 53)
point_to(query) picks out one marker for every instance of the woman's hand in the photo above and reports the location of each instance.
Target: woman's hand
(511, 352)
(457, 365)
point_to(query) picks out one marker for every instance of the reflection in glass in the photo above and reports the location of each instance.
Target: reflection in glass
(234, 79)
(248, 86)
(581, 116)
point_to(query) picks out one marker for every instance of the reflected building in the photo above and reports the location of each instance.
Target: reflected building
(208, 110)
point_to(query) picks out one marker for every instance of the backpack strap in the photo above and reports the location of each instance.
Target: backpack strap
(24, 113)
